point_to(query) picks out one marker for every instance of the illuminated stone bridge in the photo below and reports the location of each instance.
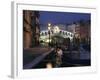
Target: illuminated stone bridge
(46, 35)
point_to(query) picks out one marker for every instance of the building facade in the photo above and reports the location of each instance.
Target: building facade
(31, 29)
(71, 28)
(83, 30)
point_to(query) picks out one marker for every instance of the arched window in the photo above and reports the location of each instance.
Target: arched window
(66, 34)
(41, 34)
(71, 35)
(60, 32)
(46, 33)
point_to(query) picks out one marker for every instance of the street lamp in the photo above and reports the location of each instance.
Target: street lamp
(56, 30)
(49, 24)
(49, 28)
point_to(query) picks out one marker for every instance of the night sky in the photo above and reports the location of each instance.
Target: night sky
(62, 17)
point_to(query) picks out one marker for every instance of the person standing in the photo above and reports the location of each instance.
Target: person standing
(59, 54)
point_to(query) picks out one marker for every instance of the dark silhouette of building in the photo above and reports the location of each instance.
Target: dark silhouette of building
(31, 30)
(83, 30)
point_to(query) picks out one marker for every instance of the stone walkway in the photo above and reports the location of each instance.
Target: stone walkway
(40, 53)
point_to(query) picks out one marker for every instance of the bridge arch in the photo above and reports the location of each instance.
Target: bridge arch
(44, 34)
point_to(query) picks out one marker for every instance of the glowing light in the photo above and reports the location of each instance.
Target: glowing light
(49, 65)
(48, 40)
(49, 27)
(49, 24)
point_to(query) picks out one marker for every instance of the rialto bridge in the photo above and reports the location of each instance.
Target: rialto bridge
(47, 35)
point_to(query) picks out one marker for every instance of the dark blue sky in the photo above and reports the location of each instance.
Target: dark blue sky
(62, 17)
